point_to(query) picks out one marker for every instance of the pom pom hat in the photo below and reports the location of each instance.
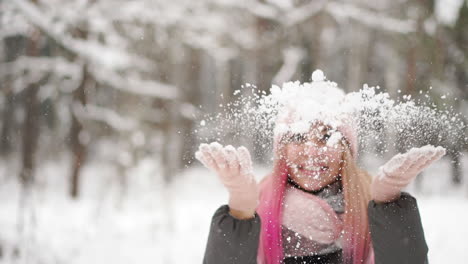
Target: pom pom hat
(301, 105)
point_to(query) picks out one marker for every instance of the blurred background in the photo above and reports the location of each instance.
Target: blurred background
(101, 100)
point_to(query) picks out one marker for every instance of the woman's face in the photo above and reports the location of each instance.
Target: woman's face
(314, 161)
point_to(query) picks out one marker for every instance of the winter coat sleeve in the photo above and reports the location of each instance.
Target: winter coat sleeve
(232, 240)
(396, 231)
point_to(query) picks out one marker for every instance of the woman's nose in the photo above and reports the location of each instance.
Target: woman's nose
(313, 149)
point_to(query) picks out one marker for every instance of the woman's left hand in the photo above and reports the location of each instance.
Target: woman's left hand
(400, 170)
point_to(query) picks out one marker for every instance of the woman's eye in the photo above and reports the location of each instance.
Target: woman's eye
(298, 138)
(326, 136)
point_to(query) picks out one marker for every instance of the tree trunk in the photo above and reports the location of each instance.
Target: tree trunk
(7, 122)
(192, 92)
(456, 169)
(77, 146)
(13, 46)
(30, 131)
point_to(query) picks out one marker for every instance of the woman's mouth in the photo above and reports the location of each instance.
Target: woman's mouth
(312, 168)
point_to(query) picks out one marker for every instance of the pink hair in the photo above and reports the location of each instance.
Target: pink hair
(270, 209)
(357, 246)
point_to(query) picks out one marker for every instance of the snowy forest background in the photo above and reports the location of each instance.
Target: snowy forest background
(100, 101)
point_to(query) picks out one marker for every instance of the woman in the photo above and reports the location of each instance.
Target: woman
(316, 206)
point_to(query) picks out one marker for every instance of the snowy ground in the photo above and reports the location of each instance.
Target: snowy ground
(149, 224)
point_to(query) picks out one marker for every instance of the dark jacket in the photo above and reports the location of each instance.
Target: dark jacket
(396, 231)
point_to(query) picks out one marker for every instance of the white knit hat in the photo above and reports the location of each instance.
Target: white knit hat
(318, 101)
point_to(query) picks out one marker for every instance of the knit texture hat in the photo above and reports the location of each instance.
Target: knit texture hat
(302, 105)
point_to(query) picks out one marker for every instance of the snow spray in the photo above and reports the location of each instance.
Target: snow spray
(383, 124)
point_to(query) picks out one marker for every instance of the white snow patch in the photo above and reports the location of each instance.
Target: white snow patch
(446, 11)
(102, 226)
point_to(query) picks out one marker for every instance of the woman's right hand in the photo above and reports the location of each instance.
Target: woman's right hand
(234, 169)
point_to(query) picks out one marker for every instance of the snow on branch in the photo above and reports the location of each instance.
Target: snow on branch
(105, 115)
(370, 18)
(298, 15)
(11, 23)
(262, 10)
(255, 8)
(189, 111)
(135, 85)
(291, 59)
(104, 60)
(57, 65)
(91, 51)
(293, 16)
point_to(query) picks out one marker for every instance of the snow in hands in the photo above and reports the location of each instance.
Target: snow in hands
(411, 162)
(399, 171)
(234, 168)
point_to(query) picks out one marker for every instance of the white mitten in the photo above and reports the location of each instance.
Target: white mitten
(234, 169)
(400, 170)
